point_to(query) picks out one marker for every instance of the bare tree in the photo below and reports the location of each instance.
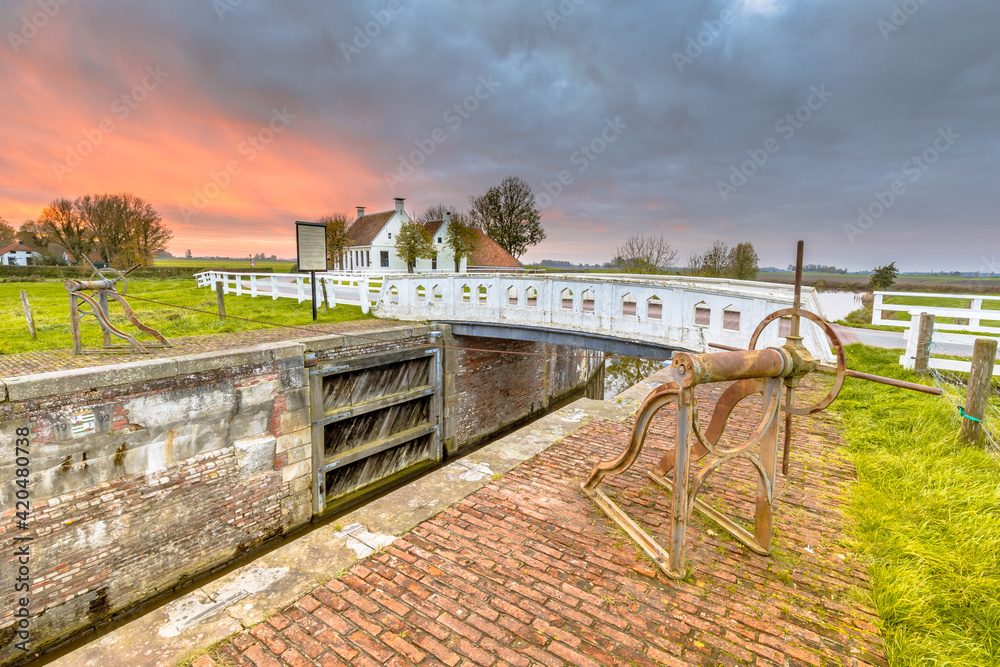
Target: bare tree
(437, 211)
(744, 262)
(644, 254)
(336, 236)
(126, 227)
(412, 243)
(713, 264)
(508, 214)
(62, 222)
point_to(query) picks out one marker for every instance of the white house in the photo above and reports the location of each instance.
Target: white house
(371, 246)
(18, 254)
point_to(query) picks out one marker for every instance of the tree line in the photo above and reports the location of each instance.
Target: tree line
(648, 254)
(122, 229)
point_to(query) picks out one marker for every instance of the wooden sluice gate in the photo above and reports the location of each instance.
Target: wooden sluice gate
(376, 422)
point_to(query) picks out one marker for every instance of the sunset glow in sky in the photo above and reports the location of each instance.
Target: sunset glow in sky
(762, 121)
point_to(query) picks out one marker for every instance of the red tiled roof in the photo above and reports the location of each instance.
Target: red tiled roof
(16, 246)
(364, 230)
(432, 226)
(489, 254)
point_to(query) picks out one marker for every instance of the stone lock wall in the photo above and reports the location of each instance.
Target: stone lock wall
(146, 474)
(493, 390)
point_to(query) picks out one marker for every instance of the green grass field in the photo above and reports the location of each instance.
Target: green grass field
(926, 514)
(263, 266)
(50, 304)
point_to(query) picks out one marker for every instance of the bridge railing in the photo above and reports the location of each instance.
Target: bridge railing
(355, 289)
(679, 311)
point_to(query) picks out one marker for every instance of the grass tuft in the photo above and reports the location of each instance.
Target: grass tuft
(926, 514)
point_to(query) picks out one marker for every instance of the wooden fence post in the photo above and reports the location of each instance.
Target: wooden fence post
(980, 386)
(925, 334)
(28, 316)
(220, 294)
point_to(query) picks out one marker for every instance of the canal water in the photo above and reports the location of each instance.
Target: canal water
(836, 305)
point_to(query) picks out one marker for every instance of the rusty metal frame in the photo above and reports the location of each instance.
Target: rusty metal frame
(770, 373)
(98, 302)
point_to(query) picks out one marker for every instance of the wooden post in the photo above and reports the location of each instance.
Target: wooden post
(28, 316)
(925, 333)
(980, 381)
(220, 294)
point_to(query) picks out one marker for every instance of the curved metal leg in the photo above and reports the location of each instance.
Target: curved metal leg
(98, 312)
(730, 398)
(135, 321)
(668, 562)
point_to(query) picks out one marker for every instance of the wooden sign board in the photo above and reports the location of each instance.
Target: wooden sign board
(310, 242)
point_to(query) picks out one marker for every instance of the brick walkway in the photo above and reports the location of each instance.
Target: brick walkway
(527, 572)
(26, 363)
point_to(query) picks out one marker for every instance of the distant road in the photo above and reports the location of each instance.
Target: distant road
(892, 340)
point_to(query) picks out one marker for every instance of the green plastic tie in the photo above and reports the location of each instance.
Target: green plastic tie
(961, 411)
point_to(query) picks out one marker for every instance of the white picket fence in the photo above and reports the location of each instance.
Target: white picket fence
(974, 315)
(354, 289)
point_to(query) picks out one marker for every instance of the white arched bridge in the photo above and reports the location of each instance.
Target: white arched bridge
(622, 314)
(643, 312)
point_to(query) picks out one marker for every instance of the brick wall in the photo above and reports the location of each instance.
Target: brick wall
(495, 390)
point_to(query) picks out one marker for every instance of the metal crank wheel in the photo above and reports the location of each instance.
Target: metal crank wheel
(839, 372)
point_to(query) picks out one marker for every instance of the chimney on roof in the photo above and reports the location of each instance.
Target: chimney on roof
(447, 217)
(399, 204)
(361, 211)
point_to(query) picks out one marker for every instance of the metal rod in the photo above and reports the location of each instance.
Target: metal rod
(893, 382)
(312, 280)
(799, 254)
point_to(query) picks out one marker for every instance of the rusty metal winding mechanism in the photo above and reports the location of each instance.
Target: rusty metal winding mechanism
(769, 372)
(102, 289)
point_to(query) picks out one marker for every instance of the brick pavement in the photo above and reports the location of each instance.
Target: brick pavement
(26, 363)
(528, 572)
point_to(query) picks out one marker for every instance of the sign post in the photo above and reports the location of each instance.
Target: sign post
(310, 242)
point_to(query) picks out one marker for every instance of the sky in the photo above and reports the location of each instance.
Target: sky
(868, 128)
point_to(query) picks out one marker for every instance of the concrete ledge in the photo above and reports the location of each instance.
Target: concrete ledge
(27, 387)
(255, 591)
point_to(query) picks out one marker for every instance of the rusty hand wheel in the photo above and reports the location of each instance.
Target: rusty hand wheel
(839, 373)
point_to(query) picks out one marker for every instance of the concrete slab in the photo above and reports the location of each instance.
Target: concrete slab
(251, 593)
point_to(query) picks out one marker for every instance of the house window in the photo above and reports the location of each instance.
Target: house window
(384, 259)
(439, 239)
(368, 257)
(390, 235)
(434, 262)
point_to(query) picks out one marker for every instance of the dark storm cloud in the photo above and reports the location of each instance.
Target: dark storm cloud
(695, 85)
